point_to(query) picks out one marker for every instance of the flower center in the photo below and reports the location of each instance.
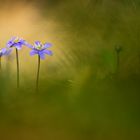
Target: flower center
(16, 40)
(39, 47)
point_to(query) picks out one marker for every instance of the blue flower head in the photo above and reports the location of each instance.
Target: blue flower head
(4, 51)
(16, 42)
(40, 49)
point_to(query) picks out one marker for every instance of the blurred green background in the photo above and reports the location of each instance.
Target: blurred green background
(84, 92)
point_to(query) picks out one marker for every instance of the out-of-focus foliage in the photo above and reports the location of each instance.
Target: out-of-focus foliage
(82, 95)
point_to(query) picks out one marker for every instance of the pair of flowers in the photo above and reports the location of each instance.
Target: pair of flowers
(37, 49)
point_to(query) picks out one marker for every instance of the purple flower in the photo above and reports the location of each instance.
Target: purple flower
(16, 42)
(40, 49)
(4, 51)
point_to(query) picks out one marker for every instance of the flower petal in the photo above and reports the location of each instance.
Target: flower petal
(29, 45)
(8, 51)
(21, 40)
(38, 43)
(9, 44)
(3, 50)
(33, 52)
(47, 52)
(42, 56)
(47, 45)
(18, 46)
(13, 39)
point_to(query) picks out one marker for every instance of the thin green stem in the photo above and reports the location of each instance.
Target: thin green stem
(0, 63)
(17, 58)
(38, 71)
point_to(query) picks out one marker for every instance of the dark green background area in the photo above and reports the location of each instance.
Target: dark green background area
(93, 98)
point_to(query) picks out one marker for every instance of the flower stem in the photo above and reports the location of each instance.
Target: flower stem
(18, 81)
(0, 63)
(38, 71)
